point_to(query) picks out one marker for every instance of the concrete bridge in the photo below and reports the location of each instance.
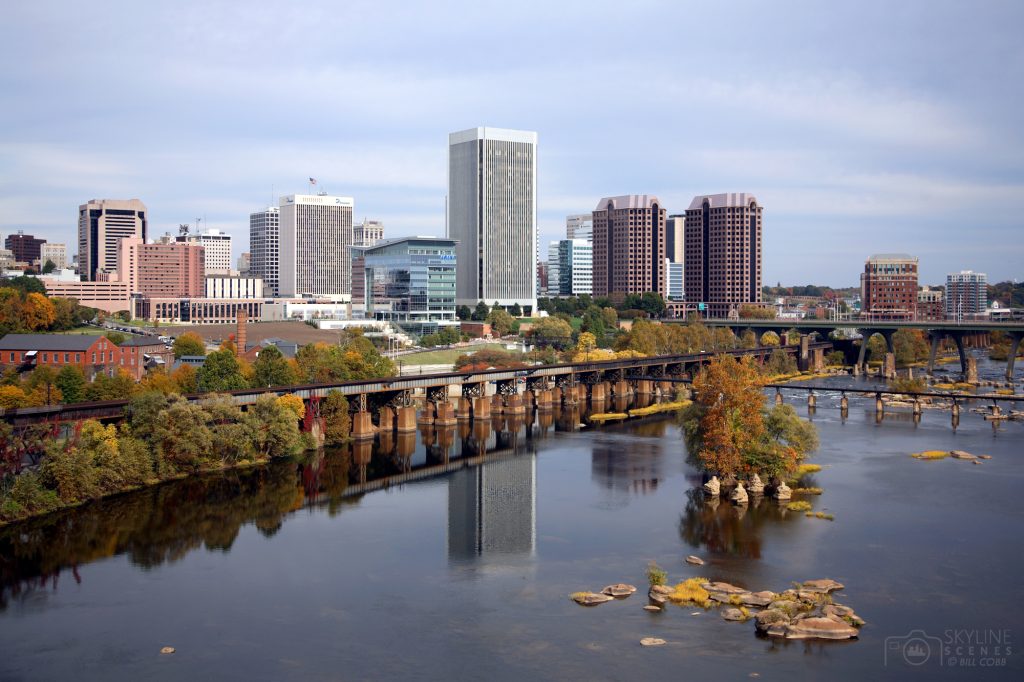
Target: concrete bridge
(960, 332)
(450, 396)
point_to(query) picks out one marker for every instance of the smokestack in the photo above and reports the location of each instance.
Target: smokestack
(241, 317)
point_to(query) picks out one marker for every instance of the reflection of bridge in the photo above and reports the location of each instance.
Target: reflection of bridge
(389, 402)
(959, 332)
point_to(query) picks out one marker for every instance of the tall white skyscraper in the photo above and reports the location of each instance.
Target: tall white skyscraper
(316, 246)
(217, 246)
(264, 248)
(492, 212)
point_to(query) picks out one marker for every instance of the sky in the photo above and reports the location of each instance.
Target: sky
(861, 127)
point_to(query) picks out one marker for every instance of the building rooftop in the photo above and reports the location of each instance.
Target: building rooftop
(728, 199)
(70, 342)
(892, 256)
(138, 340)
(628, 201)
(384, 243)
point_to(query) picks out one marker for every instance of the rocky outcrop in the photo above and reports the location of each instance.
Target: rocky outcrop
(713, 487)
(659, 593)
(824, 586)
(960, 454)
(782, 491)
(652, 641)
(695, 560)
(739, 494)
(755, 486)
(619, 590)
(589, 598)
(734, 614)
(820, 628)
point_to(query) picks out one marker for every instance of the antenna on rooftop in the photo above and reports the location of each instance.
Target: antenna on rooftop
(183, 229)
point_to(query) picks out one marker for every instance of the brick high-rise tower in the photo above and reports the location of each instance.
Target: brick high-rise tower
(629, 245)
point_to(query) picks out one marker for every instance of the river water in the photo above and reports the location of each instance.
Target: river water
(299, 571)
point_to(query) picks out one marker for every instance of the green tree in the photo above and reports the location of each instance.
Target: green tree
(105, 387)
(220, 372)
(517, 310)
(71, 382)
(594, 322)
(49, 267)
(463, 312)
(481, 312)
(181, 435)
(274, 427)
(337, 421)
(779, 363)
(272, 369)
(116, 338)
(552, 330)
(189, 343)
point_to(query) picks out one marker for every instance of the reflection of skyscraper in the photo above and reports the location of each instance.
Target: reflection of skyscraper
(492, 509)
(634, 470)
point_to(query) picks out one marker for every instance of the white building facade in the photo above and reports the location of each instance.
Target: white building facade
(966, 294)
(554, 288)
(316, 246)
(217, 248)
(367, 233)
(55, 253)
(234, 287)
(674, 277)
(264, 248)
(580, 226)
(492, 212)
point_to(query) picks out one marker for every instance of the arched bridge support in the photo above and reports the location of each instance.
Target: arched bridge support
(1015, 339)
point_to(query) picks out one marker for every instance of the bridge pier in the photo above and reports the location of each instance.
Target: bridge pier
(445, 415)
(804, 357)
(844, 403)
(936, 339)
(386, 419)
(879, 405)
(778, 397)
(889, 368)
(621, 389)
(464, 408)
(362, 425)
(426, 415)
(599, 392)
(812, 400)
(1015, 338)
(406, 420)
(481, 408)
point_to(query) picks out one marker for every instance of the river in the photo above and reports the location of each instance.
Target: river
(289, 572)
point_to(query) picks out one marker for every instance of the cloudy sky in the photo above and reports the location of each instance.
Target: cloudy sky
(861, 127)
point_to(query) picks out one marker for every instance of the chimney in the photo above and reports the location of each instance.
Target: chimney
(241, 317)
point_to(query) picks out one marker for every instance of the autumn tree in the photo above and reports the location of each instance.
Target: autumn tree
(71, 382)
(220, 372)
(189, 343)
(272, 369)
(500, 321)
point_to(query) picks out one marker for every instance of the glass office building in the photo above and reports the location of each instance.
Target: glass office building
(408, 281)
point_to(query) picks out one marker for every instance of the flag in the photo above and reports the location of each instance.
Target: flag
(312, 181)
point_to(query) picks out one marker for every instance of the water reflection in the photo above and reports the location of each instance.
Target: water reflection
(721, 527)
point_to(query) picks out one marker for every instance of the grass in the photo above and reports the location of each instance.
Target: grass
(806, 491)
(799, 506)
(957, 386)
(820, 515)
(656, 575)
(691, 592)
(931, 454)
(445, 356)
(661, 407)
(608, 416)
(91, 331)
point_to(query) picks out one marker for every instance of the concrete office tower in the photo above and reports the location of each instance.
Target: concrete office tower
(316, 246)
(243, 264)
(101, 224)
(492, 212)
(722, 254)
(570, 267)
(888, 287)
(218, 249)
(264, 248)
(675, 235)
(579, 226)
(629, 245)
(966, 294)
(25, 247)
(367, 233)
(55, 253)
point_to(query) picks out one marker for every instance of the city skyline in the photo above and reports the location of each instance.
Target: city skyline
(845, 149)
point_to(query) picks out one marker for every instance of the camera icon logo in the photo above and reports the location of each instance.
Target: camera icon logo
(914, 648)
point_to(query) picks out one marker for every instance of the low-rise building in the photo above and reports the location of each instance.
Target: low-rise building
(92, 354)
(196, 310)
(930, 304)
(140, 353)
(111, 296)
(234, 287)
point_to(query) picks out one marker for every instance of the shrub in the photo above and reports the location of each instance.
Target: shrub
(655, 574)
(27, 496)
(799, 506)
(691, 592)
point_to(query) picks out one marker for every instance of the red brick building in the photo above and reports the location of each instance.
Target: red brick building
(888, 287)
(930, 304)
(92, 354)
(140, 353)
(629, 245)
(25, 247)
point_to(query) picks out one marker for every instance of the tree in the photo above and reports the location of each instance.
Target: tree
(43, 380)
(274, 427)
(49, 267)
(38, 312)
(116, 338)
(611, 318)
(756, 312)
(272, 369)
(463, 312)
(780, 363)
(730, 432)
(552, 330)
(186, 377)
(104, 387)
(26, 285)
(517, 310)
(481, 312)
(500, 321)
(181, 434)
(71, 382)
(770, 338)
(220, 372)
(593, 322)
(337, 421)
(189, 343)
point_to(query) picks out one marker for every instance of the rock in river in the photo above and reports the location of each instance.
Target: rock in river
(733, 614)
(739, 494)
(960, 454)
(695, 560)
(755, 485)
(652, 641)
(783, 491)
(824, 585)
(820, 628)
(713, 487)
(589, 598)
(619, 590)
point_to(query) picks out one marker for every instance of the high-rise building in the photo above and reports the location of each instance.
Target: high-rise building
(218, 249)
(579, 226)
(722, 253)
(554, 274)
(367, 233)
(629, 245)
(888, 287)
(243, 263)
(264, 248)
(676, 284)
(25, 247)
(492, 212)
(53, 252)
(316, 246)
(102, 223)
(163, 270)
(492, 515)
(930, 304)
(542, 278)
(675, 235)
(966, 294)
(408, 281)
